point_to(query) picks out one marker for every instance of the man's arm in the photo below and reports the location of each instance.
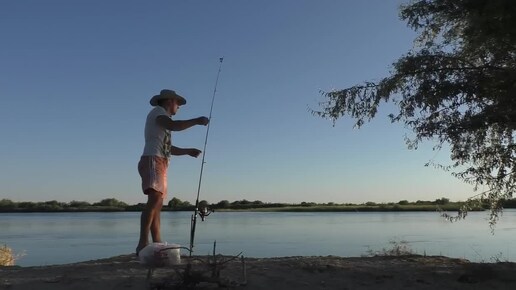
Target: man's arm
(185, 151)
(172, 125)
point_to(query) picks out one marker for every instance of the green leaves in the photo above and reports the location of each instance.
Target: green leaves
(457, 86)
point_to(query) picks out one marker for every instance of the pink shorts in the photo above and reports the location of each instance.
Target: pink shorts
(153, 171)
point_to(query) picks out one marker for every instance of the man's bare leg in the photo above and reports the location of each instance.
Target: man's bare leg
(156, 224)
(149, 214)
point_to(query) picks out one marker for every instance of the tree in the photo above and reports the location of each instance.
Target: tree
(245, 202)
(175, 202)
(111, 202)
(53, 205)
(79, 204)
(403, 202)
(203, 204)
(457, 86)
(442, 201)
(223, 204)
(7, 204)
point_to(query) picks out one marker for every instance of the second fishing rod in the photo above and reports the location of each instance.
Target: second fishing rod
(203, 212)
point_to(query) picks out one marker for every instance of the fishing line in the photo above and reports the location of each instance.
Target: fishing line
(196, 211)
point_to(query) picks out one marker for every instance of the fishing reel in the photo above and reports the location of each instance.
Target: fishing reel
(204, 212)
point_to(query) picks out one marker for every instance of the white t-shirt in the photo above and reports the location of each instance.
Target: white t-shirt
(158, 140)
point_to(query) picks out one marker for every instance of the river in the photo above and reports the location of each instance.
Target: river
(59, 238)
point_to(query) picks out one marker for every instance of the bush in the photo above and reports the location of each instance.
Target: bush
(6, 256)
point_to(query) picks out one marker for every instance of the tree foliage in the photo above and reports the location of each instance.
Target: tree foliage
(111, 202)
(456, 86)
(223, 204)
(7, 204)
(203, 204)
(177, 204)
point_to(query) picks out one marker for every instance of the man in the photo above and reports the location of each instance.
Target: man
(153, 164)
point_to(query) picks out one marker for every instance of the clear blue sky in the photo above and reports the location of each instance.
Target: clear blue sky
(76, 78)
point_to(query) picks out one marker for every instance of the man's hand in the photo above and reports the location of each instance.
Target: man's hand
(202, 121)
(194, 152)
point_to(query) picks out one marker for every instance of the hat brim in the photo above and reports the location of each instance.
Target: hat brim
(155, 99)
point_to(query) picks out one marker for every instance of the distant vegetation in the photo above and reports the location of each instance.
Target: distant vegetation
(109, 204)
(175, 204)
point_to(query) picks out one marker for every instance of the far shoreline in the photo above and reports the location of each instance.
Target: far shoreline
(441, 205)
(286, 209)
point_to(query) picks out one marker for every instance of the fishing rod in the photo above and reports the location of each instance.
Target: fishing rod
(204, 211)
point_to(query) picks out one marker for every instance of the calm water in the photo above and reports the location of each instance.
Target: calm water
(57, 238)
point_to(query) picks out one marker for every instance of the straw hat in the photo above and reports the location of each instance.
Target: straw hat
(167, 94)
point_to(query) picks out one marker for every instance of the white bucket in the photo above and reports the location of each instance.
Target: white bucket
(160, 254)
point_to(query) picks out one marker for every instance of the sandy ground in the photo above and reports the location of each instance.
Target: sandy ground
(405, 272)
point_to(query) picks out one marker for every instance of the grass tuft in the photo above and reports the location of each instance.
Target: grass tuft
(397, 249)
